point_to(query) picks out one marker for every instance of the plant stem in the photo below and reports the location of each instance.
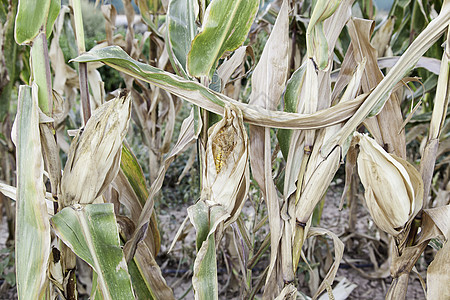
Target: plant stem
(41, 73)
(84, 92)
(398, 288)
(82, 75)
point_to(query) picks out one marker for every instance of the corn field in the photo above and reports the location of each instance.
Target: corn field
(259, 108)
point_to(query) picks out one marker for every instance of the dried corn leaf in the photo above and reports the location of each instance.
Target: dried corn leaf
(437, 122)
(382, 36)
(51, 158)
(32, 226)
(385, 127)
(288, 292)
(62, 71)
(431, 64)
(268, 82)
(436, 223)
(338, 253)
(150, 271)
(229, 66)
(109, 13)
(438, 274)
(379, 95)
(317, 185)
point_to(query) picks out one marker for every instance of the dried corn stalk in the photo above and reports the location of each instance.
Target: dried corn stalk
(95, 152)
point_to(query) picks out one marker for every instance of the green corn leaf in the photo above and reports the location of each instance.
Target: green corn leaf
(135, 176)
(91, 232)
(55, 7)
(181, 31)
(133, 171)
(205, 220)
(291, 99)
(148, 9)
(32, 226)
(317, 45)
(3, 11)
(9, 52)
(145, 273)
(40, 70)
(225, 28)
(204, 280)
(214, 102)
(29, 22)
(141, 289)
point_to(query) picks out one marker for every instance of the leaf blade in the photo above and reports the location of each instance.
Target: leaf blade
(225, 28)
(91, 232)
(32, 227)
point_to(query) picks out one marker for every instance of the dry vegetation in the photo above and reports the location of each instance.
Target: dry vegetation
(224, 149)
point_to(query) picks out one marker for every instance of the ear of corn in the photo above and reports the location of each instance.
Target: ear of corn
(95, 152)
(393, 188)
(225, 186)
(226, 175)
(319, 121)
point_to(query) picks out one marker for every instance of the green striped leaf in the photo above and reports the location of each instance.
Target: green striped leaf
(225, 28)
(214, 102)
(32, 15)
(91, 232)
(181, 31)
(291, 101)
(205, 220)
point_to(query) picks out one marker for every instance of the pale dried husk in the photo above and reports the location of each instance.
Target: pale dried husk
(393, 187)
(226, 172)
(95, 152)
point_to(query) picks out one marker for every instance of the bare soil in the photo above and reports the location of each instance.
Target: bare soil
(357, 252)
(177, 265)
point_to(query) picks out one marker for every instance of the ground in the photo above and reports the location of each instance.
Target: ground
(176, 264)
(332, 219)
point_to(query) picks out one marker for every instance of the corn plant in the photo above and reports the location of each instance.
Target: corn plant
(313, 94)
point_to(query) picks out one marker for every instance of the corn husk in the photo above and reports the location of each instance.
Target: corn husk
(226, 172)
(94, 154)
(224, 189)
(393, 187)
